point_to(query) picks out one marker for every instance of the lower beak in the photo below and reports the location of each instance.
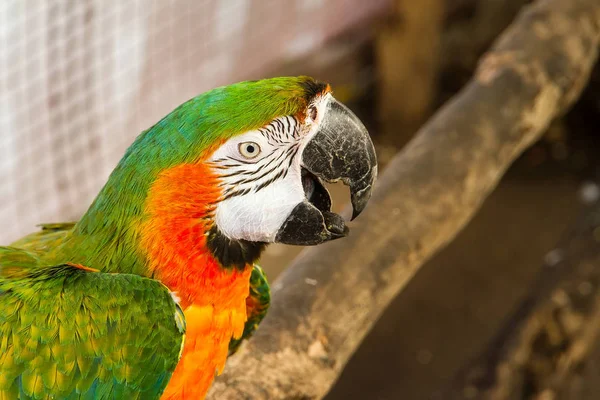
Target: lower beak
(340, 150)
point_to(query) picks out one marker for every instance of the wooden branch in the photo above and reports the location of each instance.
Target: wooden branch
(470, 28)
(329, 298)
(551, 340)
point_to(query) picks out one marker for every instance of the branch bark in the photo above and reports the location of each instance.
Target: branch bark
(329, 298)
(470, 27)
(550, 343)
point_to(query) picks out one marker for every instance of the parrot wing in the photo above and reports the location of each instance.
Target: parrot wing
(49, 237)
(257, 304)
(70, 332)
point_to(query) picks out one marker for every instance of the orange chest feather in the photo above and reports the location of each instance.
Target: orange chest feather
(209, 330)
(178, 212)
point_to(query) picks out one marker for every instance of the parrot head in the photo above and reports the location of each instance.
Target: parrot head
(272, 177)
(233, 169)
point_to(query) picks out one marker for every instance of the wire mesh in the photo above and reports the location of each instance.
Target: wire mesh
(80, 79)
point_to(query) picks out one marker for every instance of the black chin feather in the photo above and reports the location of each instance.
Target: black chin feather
(233, 253)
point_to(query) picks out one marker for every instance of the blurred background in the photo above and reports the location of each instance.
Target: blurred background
(80, 79)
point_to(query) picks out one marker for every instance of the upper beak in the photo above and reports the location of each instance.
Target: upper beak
(341, 150)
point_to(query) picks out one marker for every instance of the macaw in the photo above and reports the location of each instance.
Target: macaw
(146, 295)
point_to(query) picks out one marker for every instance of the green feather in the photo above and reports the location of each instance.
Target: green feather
(69, 333)
(105, 236)
(83, 357)
(257, 306)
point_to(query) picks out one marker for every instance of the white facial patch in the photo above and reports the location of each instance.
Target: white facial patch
(261, 178)
(257, 216)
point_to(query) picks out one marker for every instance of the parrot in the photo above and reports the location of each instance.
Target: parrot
(149, 292)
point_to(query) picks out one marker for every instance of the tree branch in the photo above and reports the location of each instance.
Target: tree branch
(329, 298)
(551, 341)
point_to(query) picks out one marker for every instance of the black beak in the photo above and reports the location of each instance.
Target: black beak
(340, 150)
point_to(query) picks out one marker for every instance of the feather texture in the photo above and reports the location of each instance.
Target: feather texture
(70, 333)
(84, 310)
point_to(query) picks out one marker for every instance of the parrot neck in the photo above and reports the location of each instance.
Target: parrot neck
(167, 234)
(184, 249)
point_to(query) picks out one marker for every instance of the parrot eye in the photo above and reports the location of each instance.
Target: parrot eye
(249, 150)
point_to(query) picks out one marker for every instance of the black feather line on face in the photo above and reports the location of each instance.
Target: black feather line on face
(241, 161)
(273, 179)
(276, 134)
(271, 161)
(235, 193)
(293, 156)
(252, 179)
